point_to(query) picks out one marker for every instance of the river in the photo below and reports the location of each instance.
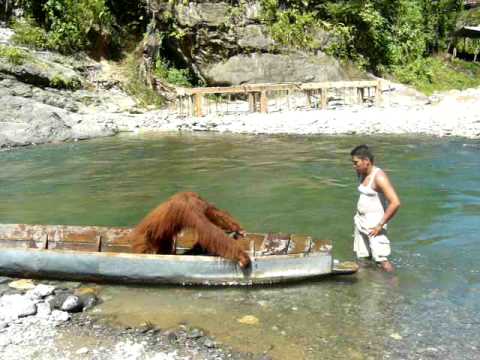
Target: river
(430, 308)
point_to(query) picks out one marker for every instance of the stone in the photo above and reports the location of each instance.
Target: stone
(88, 301)
(248, 320)
(40, 291)
(209, 343)
(276, 68)
(72, 304)
(4, 279)
(44, 310)
(60, 316)
(22, 284)
(194, 334)
(16, 306)
(82, 351)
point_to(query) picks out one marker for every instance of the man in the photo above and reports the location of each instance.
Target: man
(377, 205)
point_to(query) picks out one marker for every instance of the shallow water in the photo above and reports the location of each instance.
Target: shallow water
(429, 309)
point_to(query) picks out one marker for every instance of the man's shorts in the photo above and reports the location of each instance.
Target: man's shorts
(377, 247)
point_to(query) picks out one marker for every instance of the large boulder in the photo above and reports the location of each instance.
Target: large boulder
(277, 68)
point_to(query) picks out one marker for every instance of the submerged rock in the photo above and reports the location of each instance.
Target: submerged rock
(22, 284)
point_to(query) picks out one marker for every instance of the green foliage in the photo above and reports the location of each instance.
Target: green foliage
(28, 33)
(180, 77)
(377, 34)
(13, 55)
(136, 85)
(59, 82)
(434, 74)
(70, 25)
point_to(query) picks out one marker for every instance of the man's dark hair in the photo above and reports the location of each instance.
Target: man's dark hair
(363, 152)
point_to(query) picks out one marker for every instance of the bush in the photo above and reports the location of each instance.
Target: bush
(136, 85)
(70, 25)
(28, 33)
(435, 74)
(14, 56)
(180, 77)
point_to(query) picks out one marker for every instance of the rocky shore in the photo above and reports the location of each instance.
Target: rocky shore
(52, 320)
(52, 98)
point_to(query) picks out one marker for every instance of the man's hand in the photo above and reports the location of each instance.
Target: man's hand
(375, 231)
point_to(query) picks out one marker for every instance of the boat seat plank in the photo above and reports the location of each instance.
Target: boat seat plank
(275, 244)
(322, 246)
(300, 244)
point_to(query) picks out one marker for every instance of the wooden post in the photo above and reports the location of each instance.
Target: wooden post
(323, 94)
(309, 98)
(263, 102)
(252, 106)
(360, 95)
(378, 92)
(198, 104)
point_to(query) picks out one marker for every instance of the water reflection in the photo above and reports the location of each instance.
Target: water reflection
(429, 308)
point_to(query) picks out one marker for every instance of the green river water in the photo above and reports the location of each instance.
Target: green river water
(430, 308)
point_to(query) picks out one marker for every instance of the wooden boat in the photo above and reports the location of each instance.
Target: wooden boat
(93, 253)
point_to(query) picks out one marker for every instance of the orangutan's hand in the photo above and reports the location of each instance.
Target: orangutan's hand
(239, 234)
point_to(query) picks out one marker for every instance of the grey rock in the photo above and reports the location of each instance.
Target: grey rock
(40, 291)
(194, 334)
(3, 325)
(212, 14)
(44, 309)
(276, 68)
(256, 37)
(15, 306)
(209, 343)
(4, 279)
(88, 301)
(60, 316)
(72, 304)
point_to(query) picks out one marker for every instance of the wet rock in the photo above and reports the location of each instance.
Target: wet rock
(88, 301)
(58, 299)
(3, 325)
(194, 334)
(82, 351)
(209, 343)
(248, 320)
(22, 284)
(40, 291)
(60, 316)
(4, 279)
(72, 304)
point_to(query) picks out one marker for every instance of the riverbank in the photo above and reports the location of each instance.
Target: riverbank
(48, 98)
(52, 319)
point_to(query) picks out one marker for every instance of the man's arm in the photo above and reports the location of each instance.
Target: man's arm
(383, 184)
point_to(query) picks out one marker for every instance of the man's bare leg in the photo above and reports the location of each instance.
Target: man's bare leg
(386, 266)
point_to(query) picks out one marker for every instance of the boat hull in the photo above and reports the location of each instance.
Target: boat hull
(161, 269)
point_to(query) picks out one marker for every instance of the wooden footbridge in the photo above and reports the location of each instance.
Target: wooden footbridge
(265, 98)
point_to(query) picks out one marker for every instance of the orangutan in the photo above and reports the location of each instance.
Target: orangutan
(187, 210)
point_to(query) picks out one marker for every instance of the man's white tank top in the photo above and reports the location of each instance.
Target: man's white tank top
(371, 205)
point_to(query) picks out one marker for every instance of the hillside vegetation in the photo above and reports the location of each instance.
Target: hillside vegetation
(385, 37)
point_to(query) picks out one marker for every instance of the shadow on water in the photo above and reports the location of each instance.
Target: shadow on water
(290, 184)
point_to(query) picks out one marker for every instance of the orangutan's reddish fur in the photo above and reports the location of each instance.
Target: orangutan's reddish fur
(187, 210)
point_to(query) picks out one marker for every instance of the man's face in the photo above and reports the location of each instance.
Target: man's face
(360, 165)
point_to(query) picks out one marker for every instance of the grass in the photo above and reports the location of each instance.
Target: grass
(136, 85)
(14, 55)
(434, 74)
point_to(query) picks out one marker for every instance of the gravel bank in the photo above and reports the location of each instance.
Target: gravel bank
(52, 320)
(403, 112)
